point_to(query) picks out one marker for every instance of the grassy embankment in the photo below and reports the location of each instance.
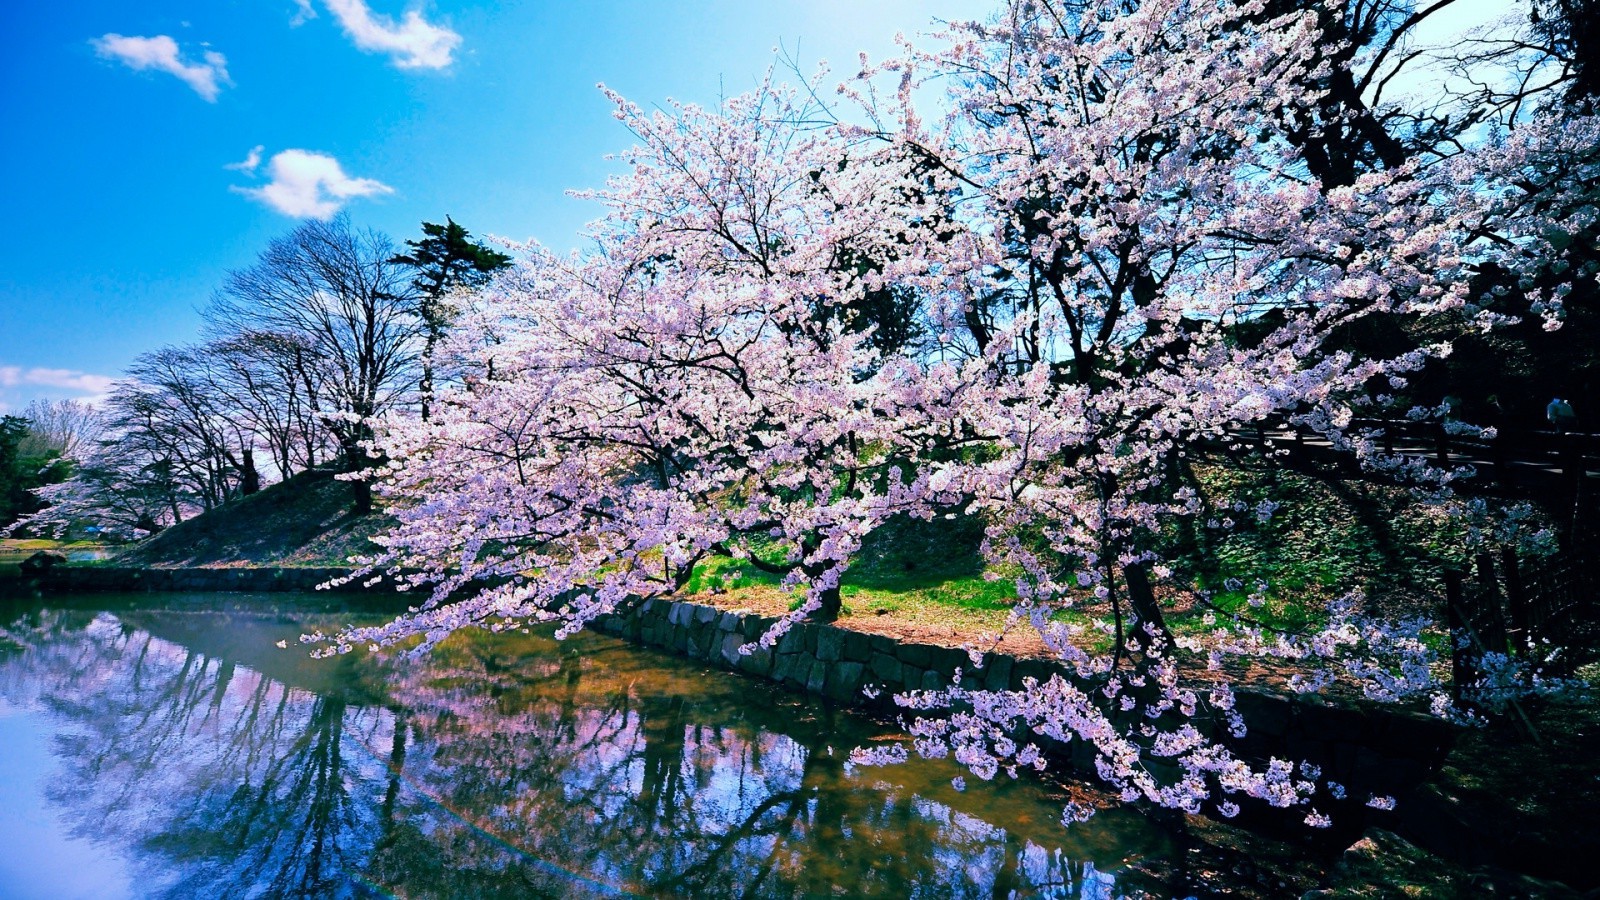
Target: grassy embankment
(15, 550)
(304, 521)
(928, 581)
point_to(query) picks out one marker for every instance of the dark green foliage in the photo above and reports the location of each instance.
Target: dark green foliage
(22, 470)
(1571, 31)
(447, 259)
(891, 311)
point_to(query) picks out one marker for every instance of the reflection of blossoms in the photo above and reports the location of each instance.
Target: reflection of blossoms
(1076, 812)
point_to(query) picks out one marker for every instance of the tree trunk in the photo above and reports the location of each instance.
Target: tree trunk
(831, 606)
(1145, 608)
(362, 503)
(431, 339)
(249, 475)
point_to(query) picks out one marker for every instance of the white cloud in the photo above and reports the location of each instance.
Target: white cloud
(413, 43)
(161, 54)
(310, 185)
(19, 385)
(249, 163)
(68, 379)
(303, 13)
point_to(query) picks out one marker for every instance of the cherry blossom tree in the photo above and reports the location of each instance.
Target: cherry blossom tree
(708, 383)
(1164, 261)
(1120, 254)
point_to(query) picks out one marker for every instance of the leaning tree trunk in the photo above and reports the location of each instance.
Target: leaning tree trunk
(831, 606)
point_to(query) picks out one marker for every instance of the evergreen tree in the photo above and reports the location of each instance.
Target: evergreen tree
(23, 467)
(446, 259)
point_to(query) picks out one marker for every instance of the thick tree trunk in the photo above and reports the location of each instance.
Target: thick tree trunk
(1145, 608)
(831, 606)
(249, 475)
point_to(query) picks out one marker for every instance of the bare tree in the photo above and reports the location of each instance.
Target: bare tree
(167, 409)
(336, 291)
(257, 375)
(63, 428)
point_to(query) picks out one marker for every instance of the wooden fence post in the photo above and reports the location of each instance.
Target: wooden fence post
(1487, 613)
(1516, 601)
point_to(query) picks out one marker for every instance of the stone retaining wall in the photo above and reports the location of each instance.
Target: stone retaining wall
(61, 579)
(1369, 749)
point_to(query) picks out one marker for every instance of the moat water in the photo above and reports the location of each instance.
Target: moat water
(164, 746)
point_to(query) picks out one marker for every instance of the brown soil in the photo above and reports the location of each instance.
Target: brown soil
(942, 628)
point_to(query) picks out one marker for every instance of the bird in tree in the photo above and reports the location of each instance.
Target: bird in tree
(446, 259)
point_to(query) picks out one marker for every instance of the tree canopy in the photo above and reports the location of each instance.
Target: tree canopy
(1137, 230)
(37, 449)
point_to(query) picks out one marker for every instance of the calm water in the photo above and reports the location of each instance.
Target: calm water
(156, 749)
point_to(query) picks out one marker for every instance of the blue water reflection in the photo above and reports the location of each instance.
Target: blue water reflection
(174, 752)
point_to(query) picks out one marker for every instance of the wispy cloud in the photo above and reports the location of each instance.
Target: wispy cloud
(412, 43)
(303, 13)
(251, 161)
(310, 185)
(161, 54)
(21, 384)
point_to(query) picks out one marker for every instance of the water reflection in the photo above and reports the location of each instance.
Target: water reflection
(215, 765)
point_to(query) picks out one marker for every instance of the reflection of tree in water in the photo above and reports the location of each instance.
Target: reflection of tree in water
(498, 766)
(590, 764)
(291, 830)
(224, 782)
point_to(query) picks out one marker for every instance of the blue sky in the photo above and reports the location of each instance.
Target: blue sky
(121, 120)
(127, 127)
